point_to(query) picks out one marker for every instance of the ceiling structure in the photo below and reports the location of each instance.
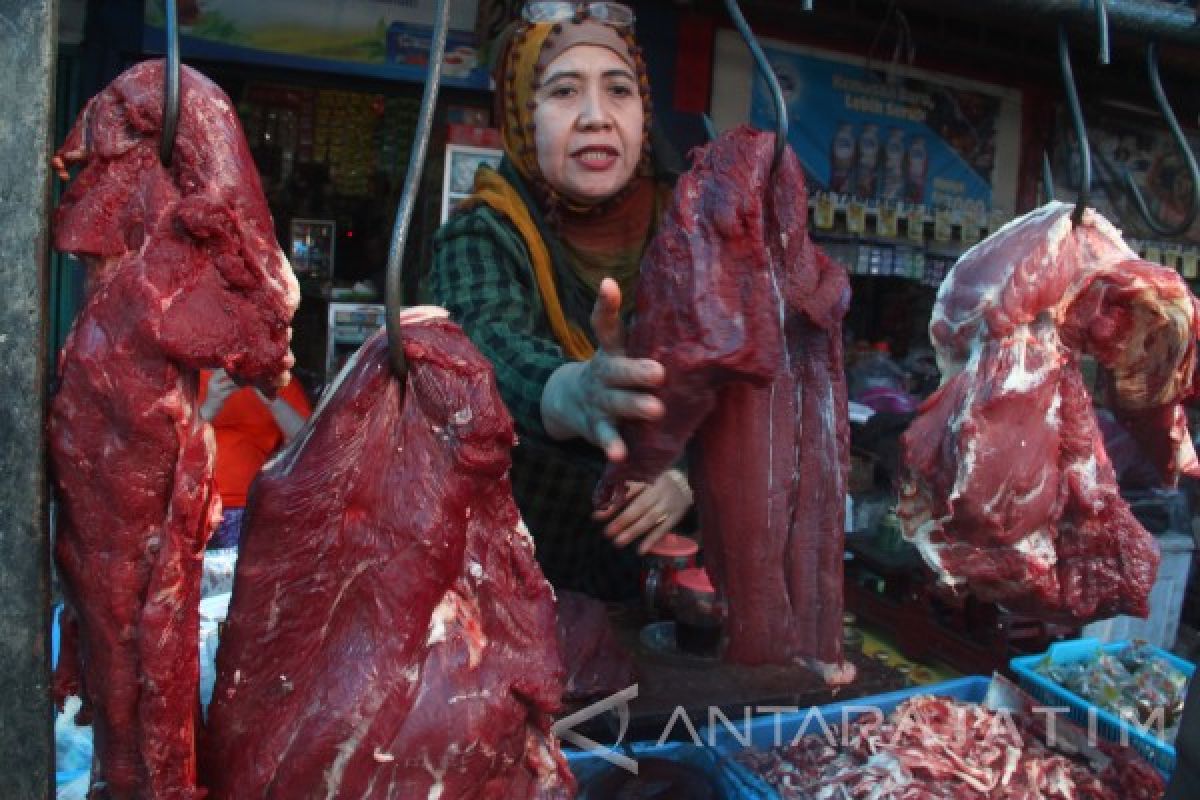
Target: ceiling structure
(1012, 41)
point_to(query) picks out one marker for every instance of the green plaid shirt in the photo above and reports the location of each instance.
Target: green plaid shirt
(482, 274)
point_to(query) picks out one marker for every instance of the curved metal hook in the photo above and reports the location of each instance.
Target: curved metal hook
(1047, 177)
(1181, 142)
(764, 67)
(170, 120)
(1085, 151)
(412, 181)
(1102, 26)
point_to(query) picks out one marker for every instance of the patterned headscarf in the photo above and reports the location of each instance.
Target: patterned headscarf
(529, 49)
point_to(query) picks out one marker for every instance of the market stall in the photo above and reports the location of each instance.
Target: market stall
(931, 400)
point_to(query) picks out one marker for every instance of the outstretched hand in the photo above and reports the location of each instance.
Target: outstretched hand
(590, 398)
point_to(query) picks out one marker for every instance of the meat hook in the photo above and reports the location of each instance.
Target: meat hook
(170, 120)
(1085, 151)
(764, 67)
(1047, 178)
(412, 181)
(1102, 29)
(1160, 97)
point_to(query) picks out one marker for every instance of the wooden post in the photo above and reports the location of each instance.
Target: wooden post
(28, 30)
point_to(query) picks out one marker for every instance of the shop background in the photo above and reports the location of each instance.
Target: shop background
(369, 37)
(879, 132)
(1123, 143)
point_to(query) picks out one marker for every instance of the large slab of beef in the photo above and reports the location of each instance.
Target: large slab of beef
(745, 313)
(390, 633)
(183, 273)
(1010, 493)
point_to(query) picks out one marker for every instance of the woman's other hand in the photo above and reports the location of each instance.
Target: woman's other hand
(650, 510)
(590, 398)
(220, 387)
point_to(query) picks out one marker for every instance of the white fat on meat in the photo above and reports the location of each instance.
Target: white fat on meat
(457, 615)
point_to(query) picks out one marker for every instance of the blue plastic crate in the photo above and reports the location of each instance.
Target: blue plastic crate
(1109, 725)
(586, 765)
(738, 782)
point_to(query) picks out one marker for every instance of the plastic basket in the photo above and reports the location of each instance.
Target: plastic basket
(587, 765)
(739, 782)
(1109, 725)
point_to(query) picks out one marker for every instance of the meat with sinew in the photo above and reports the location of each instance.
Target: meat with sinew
(390, 633)
(1010, 493)
(745, 313)
(183, 273)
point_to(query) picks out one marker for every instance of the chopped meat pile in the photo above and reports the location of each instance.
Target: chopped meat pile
(183, 273)
(745, 313)
(390, 633)
(1010, 493)
(934, 748)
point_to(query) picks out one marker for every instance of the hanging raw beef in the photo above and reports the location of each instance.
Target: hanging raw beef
(745, 313)
(183, 273)
(1010, 493)
(390, 633)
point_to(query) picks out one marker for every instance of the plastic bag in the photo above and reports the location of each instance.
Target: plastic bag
(213, 611)
(875, 370)
(72, 752)
(219, 568)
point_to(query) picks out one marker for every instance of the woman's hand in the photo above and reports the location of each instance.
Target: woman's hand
(287, 419)
(220, 387)
(650, 510)
(590, 398)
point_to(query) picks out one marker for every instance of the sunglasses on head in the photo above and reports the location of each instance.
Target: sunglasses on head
(615, 14)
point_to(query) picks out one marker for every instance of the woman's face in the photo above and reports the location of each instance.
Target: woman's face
(588, 122)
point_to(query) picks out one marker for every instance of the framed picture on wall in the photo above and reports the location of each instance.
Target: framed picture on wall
(461, 162)
(312, 248)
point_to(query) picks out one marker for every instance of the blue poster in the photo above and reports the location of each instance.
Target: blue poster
(880, 136)
(378, 38)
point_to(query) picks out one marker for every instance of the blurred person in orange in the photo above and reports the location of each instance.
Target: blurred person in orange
(249, 427)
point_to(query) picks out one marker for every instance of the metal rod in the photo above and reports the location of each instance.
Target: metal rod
(1102, 27)
(764, 67)
(1160, 97)
(412, 183)
(170, 122)
(1085, 152)
(1047, 177)
(1151, 19)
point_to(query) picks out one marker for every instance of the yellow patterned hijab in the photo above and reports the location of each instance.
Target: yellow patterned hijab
(602, 240)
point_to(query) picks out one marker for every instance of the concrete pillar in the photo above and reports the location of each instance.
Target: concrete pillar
(27, 57)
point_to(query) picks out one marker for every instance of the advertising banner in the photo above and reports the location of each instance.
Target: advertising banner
(1124, 144)
(384, 38)
(883, 132)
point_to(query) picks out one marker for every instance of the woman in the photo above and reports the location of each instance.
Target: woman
(248, 428)
(538, 266)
